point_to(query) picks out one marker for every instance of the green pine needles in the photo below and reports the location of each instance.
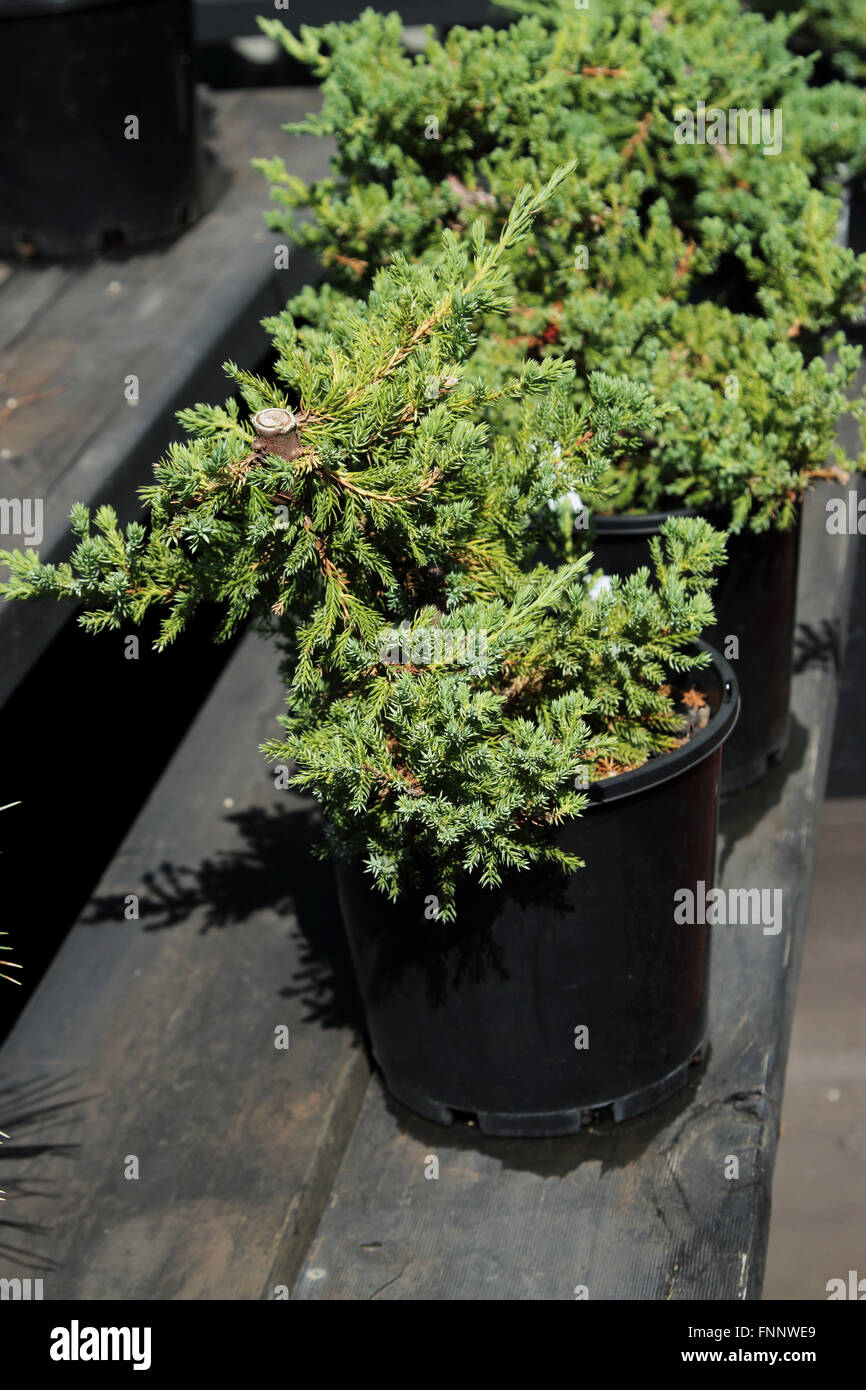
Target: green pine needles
(448, 697)
(708, 272)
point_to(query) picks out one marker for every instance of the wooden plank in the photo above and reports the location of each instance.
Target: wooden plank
(169, 315)
(640, 1210)
(155, 1038)
(26, 292)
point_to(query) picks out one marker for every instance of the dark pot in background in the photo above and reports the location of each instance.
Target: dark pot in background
(479, 1017)
(71, 72)
(755, 600)
(856, 229)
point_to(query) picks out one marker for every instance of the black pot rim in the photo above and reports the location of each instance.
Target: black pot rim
(668, 766)
(636, 523)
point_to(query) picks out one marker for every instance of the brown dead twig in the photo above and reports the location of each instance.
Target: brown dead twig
(353, 263)
(639, 136)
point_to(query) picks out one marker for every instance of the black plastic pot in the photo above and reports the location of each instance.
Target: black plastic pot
(72, 73)
(755, 601)
(856, 232)
(479, 1017)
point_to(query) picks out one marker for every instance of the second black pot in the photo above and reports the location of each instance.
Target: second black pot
(483, 1017)
(755, 601)
(99, 146)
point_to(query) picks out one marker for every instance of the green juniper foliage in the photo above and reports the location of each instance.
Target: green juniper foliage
(390, 505)
(746, 439)
(395, 471)
(708, 272)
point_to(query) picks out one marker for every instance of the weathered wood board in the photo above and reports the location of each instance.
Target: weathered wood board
(154, 1040)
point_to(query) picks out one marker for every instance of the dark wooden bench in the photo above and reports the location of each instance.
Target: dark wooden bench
(154, 1039)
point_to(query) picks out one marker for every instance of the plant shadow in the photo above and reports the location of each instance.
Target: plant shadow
(742, 812)
(819, 646)
(273, 871)
(31, 1109)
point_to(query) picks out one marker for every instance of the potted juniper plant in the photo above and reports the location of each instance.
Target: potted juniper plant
(698, 261)
(518, 768)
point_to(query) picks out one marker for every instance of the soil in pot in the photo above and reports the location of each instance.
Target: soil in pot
(556, 996)
(755, 600)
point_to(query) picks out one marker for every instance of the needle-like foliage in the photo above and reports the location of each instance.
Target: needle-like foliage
(710, 272)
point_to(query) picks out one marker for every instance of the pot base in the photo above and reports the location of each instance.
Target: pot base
(548, 1124)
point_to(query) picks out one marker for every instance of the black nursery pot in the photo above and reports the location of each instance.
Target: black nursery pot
(71, 74)
(479, 1018)
(856, 237)
(755, 601)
